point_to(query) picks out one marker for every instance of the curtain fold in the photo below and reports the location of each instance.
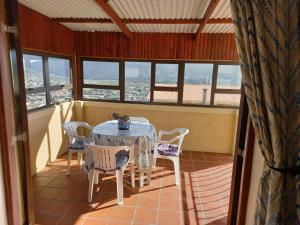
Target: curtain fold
(268, 43)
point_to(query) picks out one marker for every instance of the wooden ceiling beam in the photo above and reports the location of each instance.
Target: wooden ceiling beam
(209, 11)
(114, 17)
(143, 21)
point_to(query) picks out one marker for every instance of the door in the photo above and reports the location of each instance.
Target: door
(13, 120)
(242, 164)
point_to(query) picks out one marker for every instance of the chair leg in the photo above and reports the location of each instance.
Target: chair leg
(141, 177)
(149, 171)
(79, 155)
(91, 184)
(177, 170)
(154, 163)
(119, 176)
(69, 162)
(96, 179)
(132, 175)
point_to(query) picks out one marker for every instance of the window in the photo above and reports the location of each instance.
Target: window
(47, 80)
(101, 73)
(229, 77)
(166, 75)
(137, 81)
(188, 83)
(166, 83)
(228, 84)
(33, 71)
(59, 71)
(197, 83)
(101, 80)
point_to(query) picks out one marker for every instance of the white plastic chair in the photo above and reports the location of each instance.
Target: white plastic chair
(139, 119)
(168, 149)
(110, 159)
(76, 142)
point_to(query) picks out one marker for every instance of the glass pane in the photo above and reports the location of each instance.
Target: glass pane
(103, 94)
(59, 71)
(229, 77)
(33, 71)
(227, 99)
(166, 75)
(137, 81)
(101, 73)
(197, 83)
(63, 95)
(165, 96)
(35, 100)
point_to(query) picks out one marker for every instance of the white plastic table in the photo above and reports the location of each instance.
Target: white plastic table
(142, 135)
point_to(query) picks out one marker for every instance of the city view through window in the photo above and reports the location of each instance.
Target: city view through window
(101, 81)
(40, 83)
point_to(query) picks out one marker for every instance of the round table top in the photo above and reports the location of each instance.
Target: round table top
(136, 129)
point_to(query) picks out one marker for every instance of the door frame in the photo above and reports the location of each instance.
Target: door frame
(242, 165)
(14, 142)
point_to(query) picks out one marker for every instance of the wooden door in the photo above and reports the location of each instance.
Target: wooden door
(13, 120)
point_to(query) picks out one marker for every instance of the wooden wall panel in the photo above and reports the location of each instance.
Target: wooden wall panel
(157, 46)
(39, 33)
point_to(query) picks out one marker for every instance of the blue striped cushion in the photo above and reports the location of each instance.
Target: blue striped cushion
(78, 145)
(122, 158)
(167, 149)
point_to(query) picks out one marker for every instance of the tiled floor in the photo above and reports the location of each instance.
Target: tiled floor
(203, 197)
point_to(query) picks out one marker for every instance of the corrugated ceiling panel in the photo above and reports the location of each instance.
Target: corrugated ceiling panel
(159, 9)
(66, 8)
(222, 10)
(103, 27)
(163, 28)
(218, 28)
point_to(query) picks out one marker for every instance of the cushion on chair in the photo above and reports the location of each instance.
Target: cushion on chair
(77, 145)
(167, 149)
(122, 158)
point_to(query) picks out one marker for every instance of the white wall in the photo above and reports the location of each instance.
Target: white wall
(256, 171)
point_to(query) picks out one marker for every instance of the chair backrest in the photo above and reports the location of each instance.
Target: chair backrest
(72, 129)
(178, 139)
(104, 157)
(139, 119)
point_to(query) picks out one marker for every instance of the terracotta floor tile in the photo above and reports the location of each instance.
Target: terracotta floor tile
(147, 202)
(41, 181)
(56, 207)
(169, 218)
(100, 213)
(47, 219)
(191, 218)
(145, 216)
(171, 191)
(40, 204)
(95, 222)
(170, 204)
(48, 192)
(68, 195)
(79, 209)
(122, 213)
(118, 223)
(71, 221)
(202, 197)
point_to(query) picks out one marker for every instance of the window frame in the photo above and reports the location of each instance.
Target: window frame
(153, 87)
(47, 88)
(99, 86)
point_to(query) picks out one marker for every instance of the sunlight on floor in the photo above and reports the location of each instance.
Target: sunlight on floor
(203, 197)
